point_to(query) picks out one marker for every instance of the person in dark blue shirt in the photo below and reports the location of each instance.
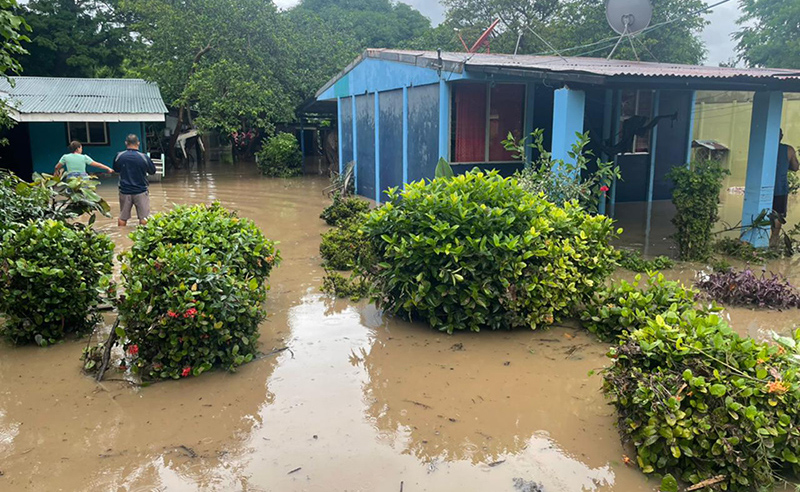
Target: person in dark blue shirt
(133, 168)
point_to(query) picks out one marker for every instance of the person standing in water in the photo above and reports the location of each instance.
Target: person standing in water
(787, 161)
(133, 168)
(75, 162)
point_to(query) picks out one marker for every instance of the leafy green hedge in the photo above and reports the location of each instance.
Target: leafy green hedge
(341, 246)
(626, 306)
(343, 209)
(195, 285)
(699, 401)
(477, 251)
(49, 280)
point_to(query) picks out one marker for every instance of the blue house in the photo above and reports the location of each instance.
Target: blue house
(51, 112)
(400, 111)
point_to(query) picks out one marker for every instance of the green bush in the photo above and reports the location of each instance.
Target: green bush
(699, 401)
(477, 251)
(19, 202)
(563, 181)
(354, 287)
(238, 243)
(343, 209)
(696, 199)
(740, 250)
(341, 246)
(280, 157)
(635, 262)
(49, 279)
(625, 306)
(195, 284)
(47, 197)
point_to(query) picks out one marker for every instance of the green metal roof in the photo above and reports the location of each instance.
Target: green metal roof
(53, 95)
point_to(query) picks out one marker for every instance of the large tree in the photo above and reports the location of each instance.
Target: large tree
(373, 23)
(74, 38)
(221, 58)
(770, 34)
(14, 31)
(575, 28)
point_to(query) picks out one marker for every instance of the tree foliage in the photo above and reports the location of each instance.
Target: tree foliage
(74, 38)
(770, 34)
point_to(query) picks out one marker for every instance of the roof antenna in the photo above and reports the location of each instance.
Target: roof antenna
(628, 18)
(516, 48)
(540, 39)
(482, 40)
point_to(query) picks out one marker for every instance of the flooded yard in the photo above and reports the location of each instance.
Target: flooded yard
(359, 402)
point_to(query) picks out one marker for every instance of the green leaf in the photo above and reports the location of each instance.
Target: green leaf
(669, 484)
(443, 169)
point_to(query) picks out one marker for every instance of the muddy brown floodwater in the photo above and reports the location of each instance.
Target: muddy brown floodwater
(363, 402)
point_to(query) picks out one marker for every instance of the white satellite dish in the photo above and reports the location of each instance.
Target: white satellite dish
(628, 17)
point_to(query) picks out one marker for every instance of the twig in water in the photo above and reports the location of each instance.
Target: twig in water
(426, 407)
(295, 470)
(706, 483)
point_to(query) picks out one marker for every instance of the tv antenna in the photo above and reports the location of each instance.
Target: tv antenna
(483, 40)
(628, 18)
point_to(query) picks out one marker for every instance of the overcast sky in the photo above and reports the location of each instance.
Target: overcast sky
(717, 35)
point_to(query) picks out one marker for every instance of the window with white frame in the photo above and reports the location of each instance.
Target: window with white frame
(88, 132)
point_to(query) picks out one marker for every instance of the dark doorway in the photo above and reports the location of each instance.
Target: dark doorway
(16, 156)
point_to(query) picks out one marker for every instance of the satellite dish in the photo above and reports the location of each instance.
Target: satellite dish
(628, 17)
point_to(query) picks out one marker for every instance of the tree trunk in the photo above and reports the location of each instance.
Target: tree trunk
(173, 140)
(185, 107)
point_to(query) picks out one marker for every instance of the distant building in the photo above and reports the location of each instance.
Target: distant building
(400, 111)
(50, 112)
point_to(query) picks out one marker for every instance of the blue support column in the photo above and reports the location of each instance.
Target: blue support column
(339, 130)
(444, 120)
(405, 135)
(355, 141)
(377, 148)
(761, 161)
(608, 113)
(651, 174)
(529, 109)
(568, 112)
(690, 130)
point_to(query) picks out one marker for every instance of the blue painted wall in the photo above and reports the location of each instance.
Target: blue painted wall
(49, 142)
(365, 145)
(423, 131)
(391, 139)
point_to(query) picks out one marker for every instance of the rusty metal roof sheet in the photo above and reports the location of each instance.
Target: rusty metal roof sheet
(84, 96)
(590, 66)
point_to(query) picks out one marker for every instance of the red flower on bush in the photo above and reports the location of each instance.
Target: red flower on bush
(133, 349)
(604, 188)
(172, 314)
(186, 371)
(190, 313)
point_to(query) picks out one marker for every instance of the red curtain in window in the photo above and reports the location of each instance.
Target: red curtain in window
(470, 124)
(506, 115)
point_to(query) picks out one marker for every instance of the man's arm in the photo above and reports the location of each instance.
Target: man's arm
(794, 164)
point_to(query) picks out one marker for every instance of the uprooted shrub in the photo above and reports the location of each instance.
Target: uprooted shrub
(341, 246)
(476, 251)
(343, 209)
(195, 285)
(49, 280)
(625, 306)
(699, 401)
(745, 288)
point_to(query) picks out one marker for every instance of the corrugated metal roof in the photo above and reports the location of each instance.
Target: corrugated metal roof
(609, 68)
(51, 95)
